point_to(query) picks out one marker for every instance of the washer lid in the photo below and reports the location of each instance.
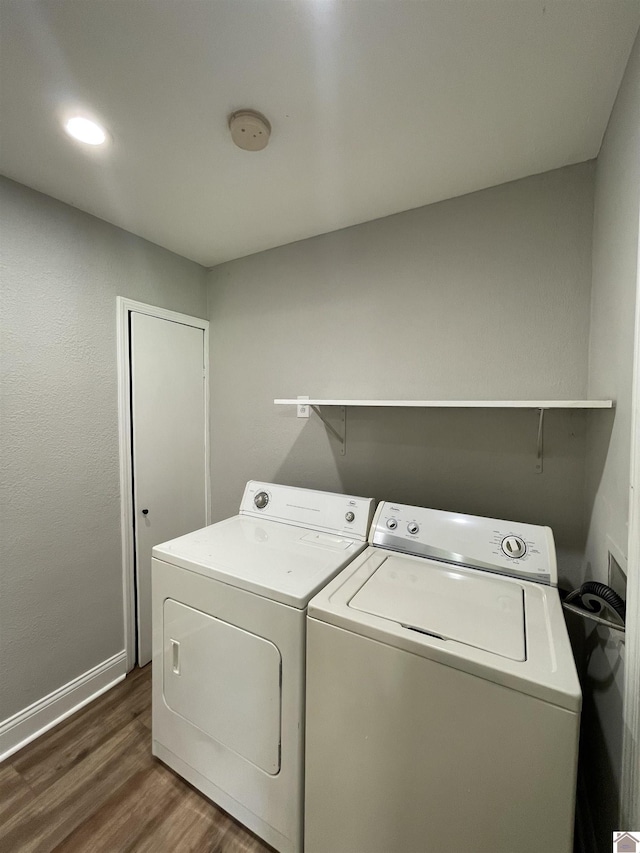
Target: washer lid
(473, 608)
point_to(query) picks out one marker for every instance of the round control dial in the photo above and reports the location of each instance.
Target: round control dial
(350, 516)
(392, 523)
(513, 546)
(412, 527)
(261, 500)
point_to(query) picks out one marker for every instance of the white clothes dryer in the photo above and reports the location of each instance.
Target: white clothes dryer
(443, 703)
(229, 605)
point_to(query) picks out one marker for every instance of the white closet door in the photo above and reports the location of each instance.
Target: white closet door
(168, 439)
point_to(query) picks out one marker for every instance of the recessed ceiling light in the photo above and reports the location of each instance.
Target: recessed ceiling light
(85, 130)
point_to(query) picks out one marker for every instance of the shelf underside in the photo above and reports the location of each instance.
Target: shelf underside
(455, 404)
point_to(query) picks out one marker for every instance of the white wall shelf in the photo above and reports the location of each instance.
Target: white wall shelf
(455, 404)
(305, 403)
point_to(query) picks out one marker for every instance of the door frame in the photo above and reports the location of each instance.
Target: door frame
(124, 308)
(630, 782)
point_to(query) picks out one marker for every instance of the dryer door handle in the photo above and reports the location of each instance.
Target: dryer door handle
(175, 657)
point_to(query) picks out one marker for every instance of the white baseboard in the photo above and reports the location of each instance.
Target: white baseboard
(20, 729)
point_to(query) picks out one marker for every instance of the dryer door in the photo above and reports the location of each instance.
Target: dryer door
(224, 680)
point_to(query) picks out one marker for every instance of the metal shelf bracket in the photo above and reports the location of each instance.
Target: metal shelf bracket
(342, 438)
(540, 447)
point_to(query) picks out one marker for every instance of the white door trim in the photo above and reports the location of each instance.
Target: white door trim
(124, 307)
(630, 782)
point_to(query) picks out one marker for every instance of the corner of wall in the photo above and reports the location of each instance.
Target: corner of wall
(608, 470)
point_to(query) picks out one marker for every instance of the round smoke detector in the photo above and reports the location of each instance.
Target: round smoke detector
(249, 130)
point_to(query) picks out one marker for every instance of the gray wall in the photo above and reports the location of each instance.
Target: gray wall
(484, 296)
(61, 576)
(615, 259)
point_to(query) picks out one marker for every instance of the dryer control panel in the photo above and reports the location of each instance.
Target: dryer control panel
(511, 548)
(324, 511)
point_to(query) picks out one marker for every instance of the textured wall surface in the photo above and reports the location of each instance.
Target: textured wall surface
(484, 296)
(615, 269)
(61, 575)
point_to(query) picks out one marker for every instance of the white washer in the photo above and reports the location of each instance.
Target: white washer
(229, 605)
(443, 703)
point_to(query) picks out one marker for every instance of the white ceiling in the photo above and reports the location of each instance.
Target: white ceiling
(377, 106)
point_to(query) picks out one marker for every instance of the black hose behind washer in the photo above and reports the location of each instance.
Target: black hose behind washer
(594, 595)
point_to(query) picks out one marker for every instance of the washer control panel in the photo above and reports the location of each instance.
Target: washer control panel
(321, 511)
(506, 547)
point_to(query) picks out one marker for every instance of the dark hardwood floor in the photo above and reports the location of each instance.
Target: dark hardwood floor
(91, 784)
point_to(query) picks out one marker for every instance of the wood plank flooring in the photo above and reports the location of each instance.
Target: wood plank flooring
(91, 784)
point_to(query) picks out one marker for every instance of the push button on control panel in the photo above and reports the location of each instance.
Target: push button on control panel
(513, 546)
